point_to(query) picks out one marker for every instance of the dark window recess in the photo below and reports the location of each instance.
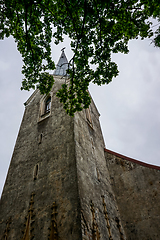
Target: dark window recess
(48, 105)
(35, 174)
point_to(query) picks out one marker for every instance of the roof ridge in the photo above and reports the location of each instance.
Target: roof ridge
(132, 159)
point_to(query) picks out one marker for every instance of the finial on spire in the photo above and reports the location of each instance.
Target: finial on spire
(63, 49)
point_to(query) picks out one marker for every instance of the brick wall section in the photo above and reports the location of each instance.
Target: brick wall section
(136, 186)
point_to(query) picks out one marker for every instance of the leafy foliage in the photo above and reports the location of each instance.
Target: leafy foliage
(96, 28)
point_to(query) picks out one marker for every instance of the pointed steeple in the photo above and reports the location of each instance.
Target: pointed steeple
(62, 65)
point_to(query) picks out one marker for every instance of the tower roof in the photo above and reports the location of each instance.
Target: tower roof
(62, 65)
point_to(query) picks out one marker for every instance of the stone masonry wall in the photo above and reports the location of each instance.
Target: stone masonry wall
(40, 197)
(99, 213)
(136, 186)
(59, 186)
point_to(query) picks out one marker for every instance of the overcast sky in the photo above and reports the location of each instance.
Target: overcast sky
(129, 105)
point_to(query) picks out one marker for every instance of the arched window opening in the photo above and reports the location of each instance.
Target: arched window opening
(48, 105)
(44, 110)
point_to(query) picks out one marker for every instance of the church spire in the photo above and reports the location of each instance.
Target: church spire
(62, 65)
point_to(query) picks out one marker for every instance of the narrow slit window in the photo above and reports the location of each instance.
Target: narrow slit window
(98, 175)
(48, 105)
(35, 172)
(88, 116)
(40, 139)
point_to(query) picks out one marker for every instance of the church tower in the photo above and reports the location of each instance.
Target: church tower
(58, 186)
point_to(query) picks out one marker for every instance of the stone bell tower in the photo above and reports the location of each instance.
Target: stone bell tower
(58, 185)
